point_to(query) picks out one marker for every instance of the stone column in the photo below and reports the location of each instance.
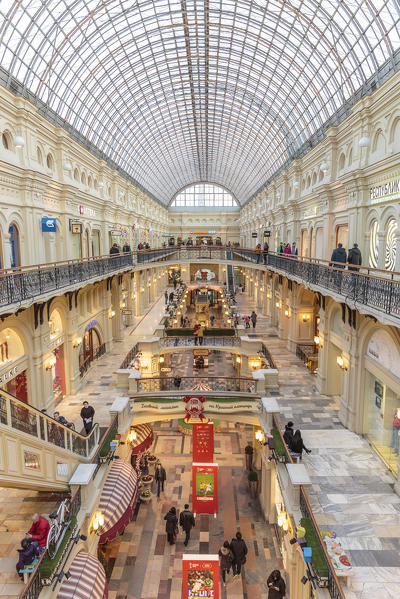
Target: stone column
(381, 249)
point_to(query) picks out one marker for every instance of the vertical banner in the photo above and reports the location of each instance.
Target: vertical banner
(200, 576)
(203, 442)
(205, 488)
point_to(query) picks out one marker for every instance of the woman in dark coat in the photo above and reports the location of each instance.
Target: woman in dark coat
(297, 445)
(226, 559)
(239, 550)
(171, 525)
(276, 585)
(26, 555)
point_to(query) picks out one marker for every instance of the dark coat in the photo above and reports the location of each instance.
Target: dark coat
(114, 250)
(160, 474)
(272, 593)
(226, 558)
(126, 249)
(171, 523)
(339, 255)
(186, 520)
(288, 435)
(26, 556)
(87, 413)
(354, 257)
(297, 446)
(239, 550)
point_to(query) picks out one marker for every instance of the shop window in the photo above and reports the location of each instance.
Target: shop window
(31, 460)
(90, 348)
(390, 253)
(373, 245)
(15, 259)
(205, 274)
(18, 386)
(50, 161)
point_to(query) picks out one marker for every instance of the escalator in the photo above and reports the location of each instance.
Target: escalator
(36, 451)
(230, 278)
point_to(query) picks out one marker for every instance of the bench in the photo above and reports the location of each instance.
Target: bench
(28, 569)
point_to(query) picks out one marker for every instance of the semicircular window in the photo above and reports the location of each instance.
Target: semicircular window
(204, 195)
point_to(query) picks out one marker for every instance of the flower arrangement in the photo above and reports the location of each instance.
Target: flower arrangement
(151, 458)
(145, 494)
(147, 478)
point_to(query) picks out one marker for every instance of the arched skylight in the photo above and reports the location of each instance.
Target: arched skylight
(177, 91)
(203, 195)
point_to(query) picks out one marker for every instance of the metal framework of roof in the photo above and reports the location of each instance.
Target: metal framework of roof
(180, 91)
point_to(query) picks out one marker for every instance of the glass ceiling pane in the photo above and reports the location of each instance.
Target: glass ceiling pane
(211, 90)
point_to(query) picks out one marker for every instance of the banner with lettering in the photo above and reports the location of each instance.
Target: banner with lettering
(205, 488)
(203, 442)
(200, 576)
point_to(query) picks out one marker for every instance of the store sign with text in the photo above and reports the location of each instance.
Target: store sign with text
(209, 406)
(49, 225)
(390, 190)
(87, 211)
(8, 375)
(205, 488)
(200, 576)
(203, 442)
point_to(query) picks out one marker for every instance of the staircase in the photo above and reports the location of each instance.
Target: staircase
(36, 451)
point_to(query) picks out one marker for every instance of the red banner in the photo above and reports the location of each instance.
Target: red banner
(205, 488)
(203, 442)
(200, 576)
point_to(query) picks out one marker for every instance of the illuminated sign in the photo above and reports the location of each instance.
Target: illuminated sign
(389, 190)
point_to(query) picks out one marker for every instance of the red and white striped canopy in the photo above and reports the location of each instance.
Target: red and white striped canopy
(87, 579)
(144, 438)
(201, 387)
(118, 500)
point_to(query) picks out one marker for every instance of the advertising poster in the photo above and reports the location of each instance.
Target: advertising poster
(203, 442)
(205, 488)
(200, 576)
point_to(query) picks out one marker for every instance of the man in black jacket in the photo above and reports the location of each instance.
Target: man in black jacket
(87, 414)
(239, 550)
(339, 255)
(161, 477)
(354, 257)
(187, 522)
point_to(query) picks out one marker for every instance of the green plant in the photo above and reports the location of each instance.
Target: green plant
(145, 494)
(318, 556)
(279, 446)
(49, 565)
(252, 476)
(248, 450)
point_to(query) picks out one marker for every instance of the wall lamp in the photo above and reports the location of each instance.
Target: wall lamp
(238, 360)
(260, 436)
(287, 313)
(317, 341)
(132, 435)
(305, 317)
(161, 359)
(98, 521)
(340, 362)
(50, 363)
(77, 342)
(111, 314)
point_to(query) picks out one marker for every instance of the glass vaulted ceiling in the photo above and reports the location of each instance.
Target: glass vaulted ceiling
(177, 92)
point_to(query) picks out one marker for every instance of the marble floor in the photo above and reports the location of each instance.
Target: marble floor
(145, 566)
(352, 492)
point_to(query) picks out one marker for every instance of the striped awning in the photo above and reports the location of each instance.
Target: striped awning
(118, 500)
(87, 579)
(144, 438)
(201, 387)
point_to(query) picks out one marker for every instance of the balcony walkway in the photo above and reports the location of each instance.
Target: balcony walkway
(352, 492)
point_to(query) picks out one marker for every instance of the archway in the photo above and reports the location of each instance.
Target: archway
(90, 348)
(13, 364)
(15, 255)
(58, 368)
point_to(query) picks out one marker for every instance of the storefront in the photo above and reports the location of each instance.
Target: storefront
(13, 365)
(381, 424)
(76, 235)
(91, 346)
(174, 274)
(57, 361)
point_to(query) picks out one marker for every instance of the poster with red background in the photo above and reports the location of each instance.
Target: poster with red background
(200, 576)
(205, 488)
(203, 442)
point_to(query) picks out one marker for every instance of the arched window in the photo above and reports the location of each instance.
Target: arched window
(342, 159)
(50, 162)
(83, 178)
(39, 156)
(15, 258)
(204, 194)
(76, 175)
(90, 182)
(6, 140)
(390, 254)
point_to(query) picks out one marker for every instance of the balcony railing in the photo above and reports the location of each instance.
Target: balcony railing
(215, 383)
(20, 416)
(180, 341)
(333, 583)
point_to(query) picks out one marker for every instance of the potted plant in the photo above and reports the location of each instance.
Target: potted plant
(253, 482)
(151, 458)
(145, 496)
(147, 480)
(248, 450)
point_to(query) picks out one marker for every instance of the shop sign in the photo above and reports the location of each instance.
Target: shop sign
(87, 211)
(200, 576)
(76, 228)
(267, 233)
(91, 324)
(205, 488)
(203, 442)
(49, 225)
(254, 235)
(209, 406)
(8, 375)
(116, 233)
(388, 191)
(56, 342)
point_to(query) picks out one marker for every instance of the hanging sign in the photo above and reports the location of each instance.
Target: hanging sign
(76, 228)
(49, 225)
(267, 233)
(205, 488)
(200, 576)
(254, 235)
(203, 442)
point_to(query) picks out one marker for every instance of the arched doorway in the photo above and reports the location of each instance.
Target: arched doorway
(13, 365)
(58, 368)
(90, 348)
(15, 256)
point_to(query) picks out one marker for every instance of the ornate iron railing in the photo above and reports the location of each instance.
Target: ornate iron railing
(20, 416)
(97, 456)
(83, 368)
(215, 383)
(130, 356)
(267, 355)
(180, 341)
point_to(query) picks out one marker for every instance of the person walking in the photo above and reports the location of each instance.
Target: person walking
(258, 252)
(212, 319)
(276, 585)
(265, 251)
(114, 249)
(175, 284)
(354, 257)
(253, 318)
(294, 249)
(200, 334)
(297, 445)
(160, 477)
(339, 255)
(127, 248)
(286, 250)
(87, 414)
(246, 321)
(239, 551)
(171, 525)
(187, 522)
(225, 560)
(177, 381)
(166, 297)
(195, 330)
